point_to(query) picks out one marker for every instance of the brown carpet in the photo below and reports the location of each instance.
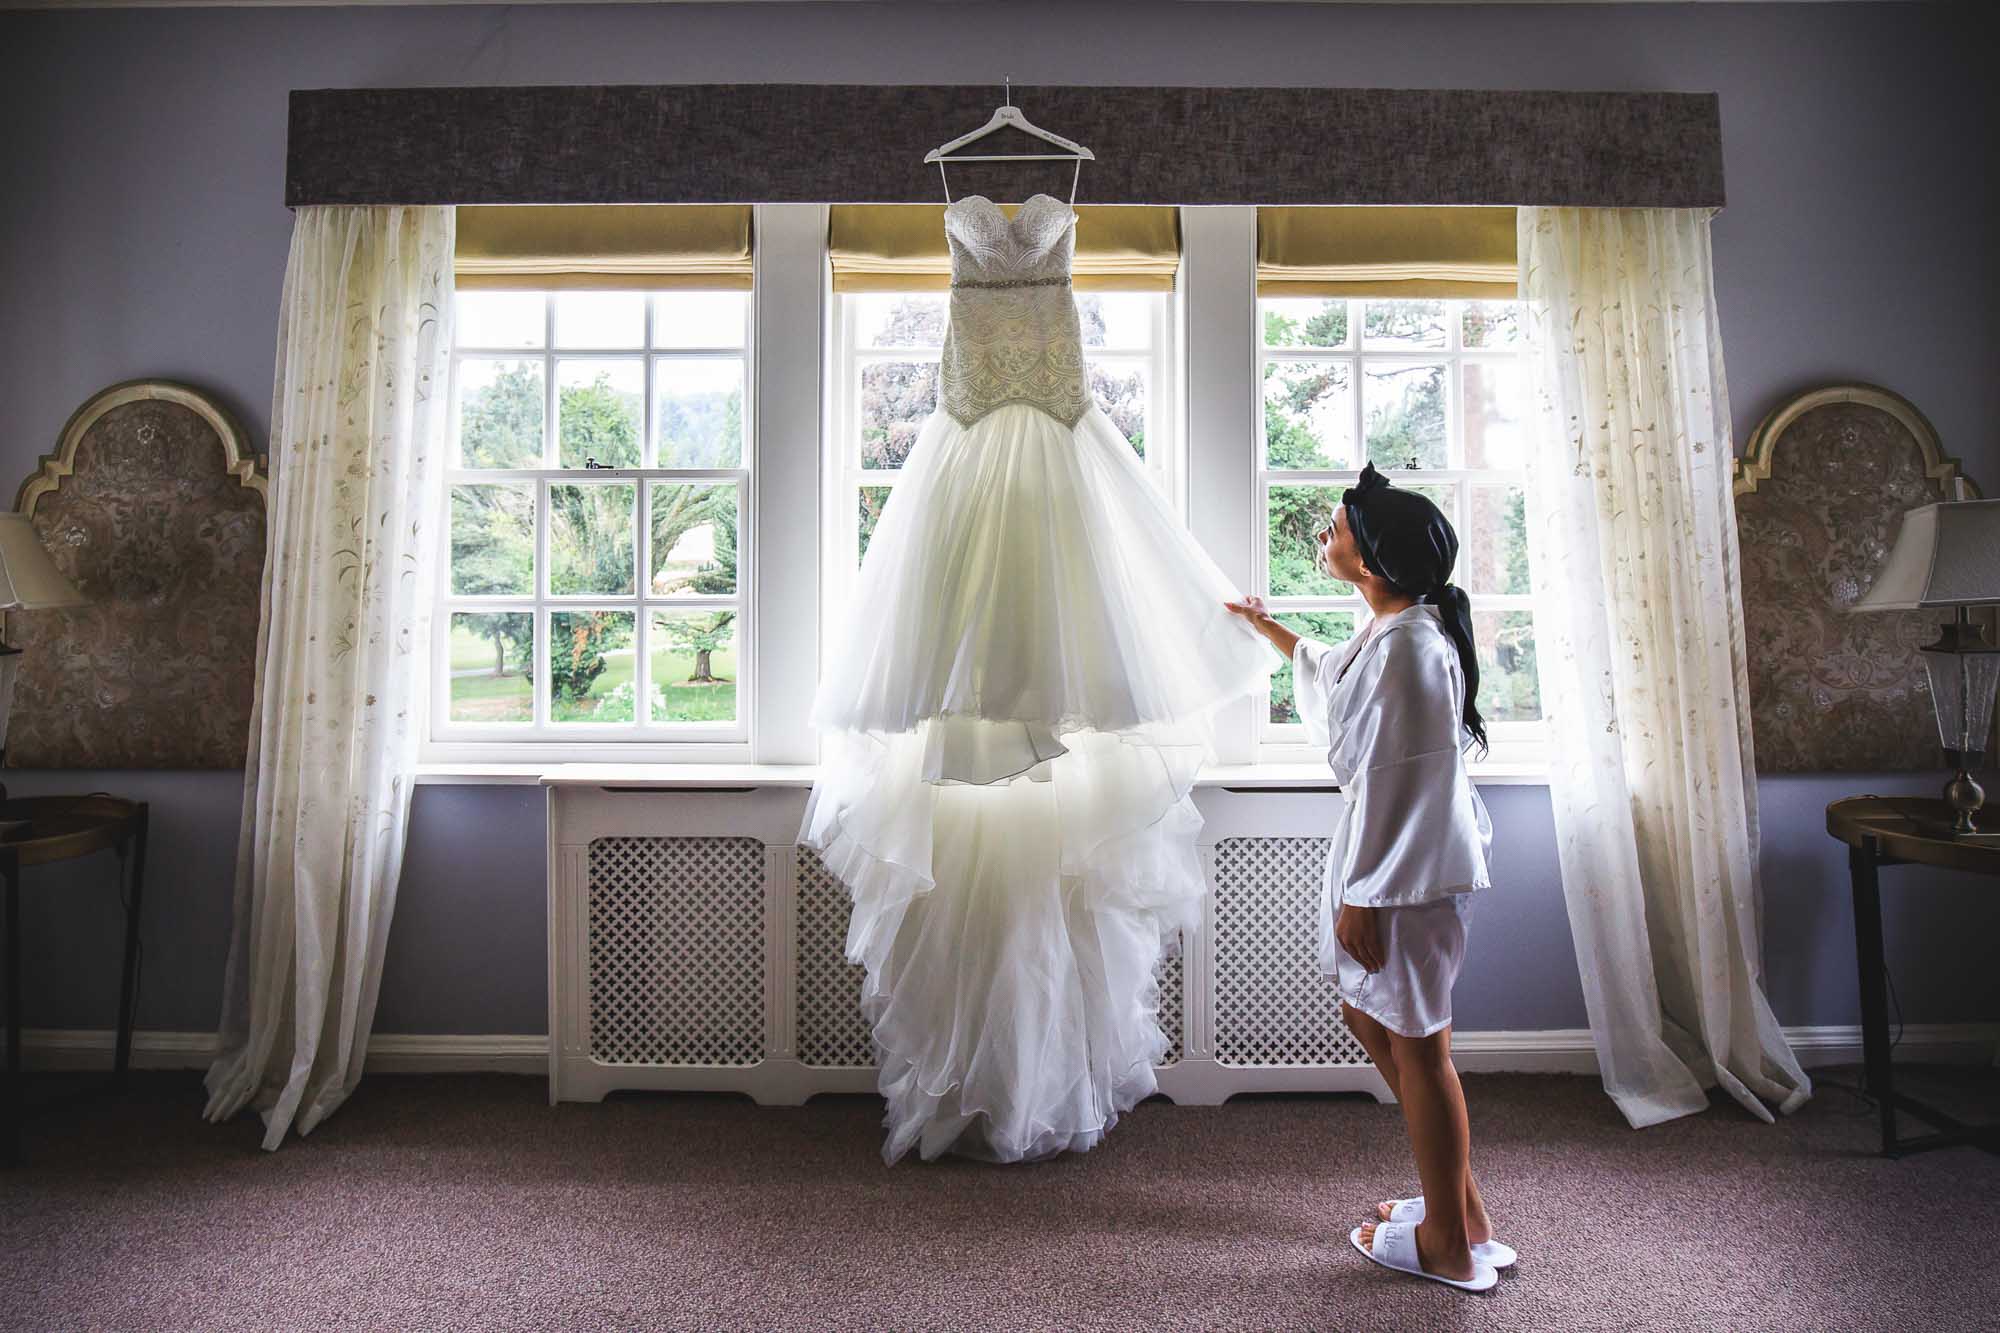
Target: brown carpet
(467, 1202)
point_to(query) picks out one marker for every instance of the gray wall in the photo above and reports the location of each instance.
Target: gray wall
(140, 184)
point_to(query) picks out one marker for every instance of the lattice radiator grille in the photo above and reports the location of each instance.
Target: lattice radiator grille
(1272, 1006)
(831, 1031)
(676, 963)
(1172, 1004)
(676, 958)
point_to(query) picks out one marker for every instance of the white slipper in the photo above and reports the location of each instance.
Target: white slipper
(1490, 1252)
(1396, 1247)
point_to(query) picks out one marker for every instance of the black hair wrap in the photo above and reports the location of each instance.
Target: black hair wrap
(1407, 541)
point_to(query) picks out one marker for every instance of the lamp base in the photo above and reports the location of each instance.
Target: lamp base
(1966, 798)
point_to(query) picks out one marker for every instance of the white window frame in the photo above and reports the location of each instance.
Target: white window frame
(1514, 745)
(543, 741)
(797, 508)
(1164, 461)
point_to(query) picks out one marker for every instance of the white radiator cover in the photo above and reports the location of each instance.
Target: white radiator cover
(693, 946)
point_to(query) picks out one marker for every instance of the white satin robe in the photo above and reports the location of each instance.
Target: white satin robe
(1412, 828)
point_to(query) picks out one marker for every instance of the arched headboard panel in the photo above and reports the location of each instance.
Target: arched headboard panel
(1820, 495)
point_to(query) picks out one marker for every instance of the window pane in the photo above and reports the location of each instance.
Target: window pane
(1493, 324)
(493, 539)
(699, 319)
(899, 319)
(1333, 627)
(1509, 690)
(896, 397)
(874, 499)
(693, 539)
(1290, 322)
(500, 410)
(1120, 391)
(1388, 324)
(500, 319)
(600, 412)
(1494, 557)
(1308, 413)
(600, 319)
(1495, 435)
(694, 666)
(591, 665)
(700, 411)
(1298, 512)
(592, 538)
(492, 667)
(1403, 405)
(1116, 319)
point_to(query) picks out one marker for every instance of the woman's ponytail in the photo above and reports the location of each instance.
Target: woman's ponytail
(1456, 615)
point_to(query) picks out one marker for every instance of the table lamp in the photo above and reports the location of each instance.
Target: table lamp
(1948, 555)
(29, 581)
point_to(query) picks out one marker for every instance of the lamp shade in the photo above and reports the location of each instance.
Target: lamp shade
(30, 580)
(1946, 555)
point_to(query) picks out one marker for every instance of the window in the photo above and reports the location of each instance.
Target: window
(1431, 392)
(596, 600)
(596, 494)
(885, 384)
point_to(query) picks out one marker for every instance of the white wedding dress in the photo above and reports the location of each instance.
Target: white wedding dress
(1012, 726)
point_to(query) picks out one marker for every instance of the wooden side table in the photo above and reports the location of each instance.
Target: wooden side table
(57, 828)
(1891, 831)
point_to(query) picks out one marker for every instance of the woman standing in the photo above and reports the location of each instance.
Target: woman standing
(1395, 709)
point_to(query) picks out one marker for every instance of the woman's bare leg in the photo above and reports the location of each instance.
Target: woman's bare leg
(1374, 1039)
(1440, 1136)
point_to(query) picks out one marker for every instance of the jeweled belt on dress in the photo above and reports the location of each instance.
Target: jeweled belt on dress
(1011, 282)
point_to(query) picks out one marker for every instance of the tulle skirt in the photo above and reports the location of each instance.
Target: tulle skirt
(1012, 726)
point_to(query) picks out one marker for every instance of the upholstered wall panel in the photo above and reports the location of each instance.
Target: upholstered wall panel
(835, 143)
(153, 505)
(1820, 496)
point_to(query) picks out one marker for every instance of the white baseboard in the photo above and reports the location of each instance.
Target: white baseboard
(1940, 1043)
(1571, 1051)
(388, 1052)
(1545, 1051)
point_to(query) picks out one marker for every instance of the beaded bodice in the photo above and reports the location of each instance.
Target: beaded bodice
(1013, 335)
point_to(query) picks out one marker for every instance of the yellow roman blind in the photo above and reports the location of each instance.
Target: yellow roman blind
(1387, 252)
(647, 247)
(901, 247)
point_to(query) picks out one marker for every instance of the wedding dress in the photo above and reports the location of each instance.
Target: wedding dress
(1012, 728)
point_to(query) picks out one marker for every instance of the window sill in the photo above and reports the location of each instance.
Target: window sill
(1276, 776)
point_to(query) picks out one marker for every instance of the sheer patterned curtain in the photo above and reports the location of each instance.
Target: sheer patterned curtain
(1639, 616)
(358, 426)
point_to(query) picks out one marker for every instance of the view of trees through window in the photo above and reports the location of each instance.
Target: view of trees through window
(599, 470)
(546, 555)
(1429, 392)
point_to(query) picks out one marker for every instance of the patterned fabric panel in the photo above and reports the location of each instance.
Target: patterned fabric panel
(157, 669)
(1830, 691)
